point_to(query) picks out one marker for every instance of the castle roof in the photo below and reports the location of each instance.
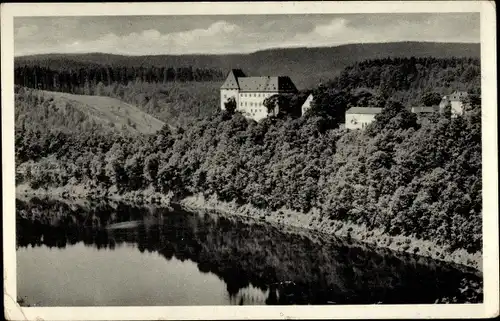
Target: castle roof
(364, 110)
(232, 79)
(236, 79)
(267, 83)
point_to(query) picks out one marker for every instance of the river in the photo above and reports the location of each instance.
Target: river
(75, 254)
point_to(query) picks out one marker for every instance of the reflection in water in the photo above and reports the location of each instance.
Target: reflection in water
(257, 264)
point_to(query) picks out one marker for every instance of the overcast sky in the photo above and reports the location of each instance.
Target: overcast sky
(141, 35)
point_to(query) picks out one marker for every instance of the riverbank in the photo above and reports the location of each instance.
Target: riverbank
(313, 221)
(282, 218)
(79, 192)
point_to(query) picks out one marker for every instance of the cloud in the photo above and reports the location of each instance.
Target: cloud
(237, 35)
(335, 27)
(26, 31)
(218, 37)
(340, 31)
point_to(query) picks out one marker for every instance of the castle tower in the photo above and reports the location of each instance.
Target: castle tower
(230, 87)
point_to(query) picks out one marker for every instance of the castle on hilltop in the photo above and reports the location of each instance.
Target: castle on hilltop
(249, 93)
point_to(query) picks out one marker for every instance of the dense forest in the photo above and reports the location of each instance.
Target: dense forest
(178, 103)
(175, 103)
(305, 66)
(173, 95)
(411, 73)
(407, 178)
(85, 80)
(408, 80)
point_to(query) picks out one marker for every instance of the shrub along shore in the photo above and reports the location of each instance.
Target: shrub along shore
(312, 221)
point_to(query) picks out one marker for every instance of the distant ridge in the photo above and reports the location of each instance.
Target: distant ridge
(307, 66)
(374, 44)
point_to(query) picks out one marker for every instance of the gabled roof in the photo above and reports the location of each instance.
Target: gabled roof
(306, 99)
(458, 95)
(267, 83)
(364, 110)
(232, 79)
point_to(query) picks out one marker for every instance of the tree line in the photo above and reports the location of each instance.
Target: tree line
(404, 177)
(83, 80)
(400, 175)
(407, 79)
(162, 92)
(410, 81)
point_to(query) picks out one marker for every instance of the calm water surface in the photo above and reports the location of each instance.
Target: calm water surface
(77, 255)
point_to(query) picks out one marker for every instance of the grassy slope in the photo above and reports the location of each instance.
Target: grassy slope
(108, 111)
(306, 66)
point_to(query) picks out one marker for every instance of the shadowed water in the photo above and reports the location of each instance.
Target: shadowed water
(116, 254)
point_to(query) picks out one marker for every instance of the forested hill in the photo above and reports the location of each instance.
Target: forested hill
(168, 95)
(73, 114)
(406, 178)
(411, 81)
(306, 66)
(401, 176)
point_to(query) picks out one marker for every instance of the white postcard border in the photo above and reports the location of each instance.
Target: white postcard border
(490, 306)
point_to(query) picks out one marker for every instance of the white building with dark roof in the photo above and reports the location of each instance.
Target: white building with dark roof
(250, 92)
(360, 117)
(456, 102)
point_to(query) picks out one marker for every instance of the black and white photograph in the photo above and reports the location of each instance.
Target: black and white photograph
(249, 154)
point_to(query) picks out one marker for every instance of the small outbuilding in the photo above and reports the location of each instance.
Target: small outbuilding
(360, 117)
